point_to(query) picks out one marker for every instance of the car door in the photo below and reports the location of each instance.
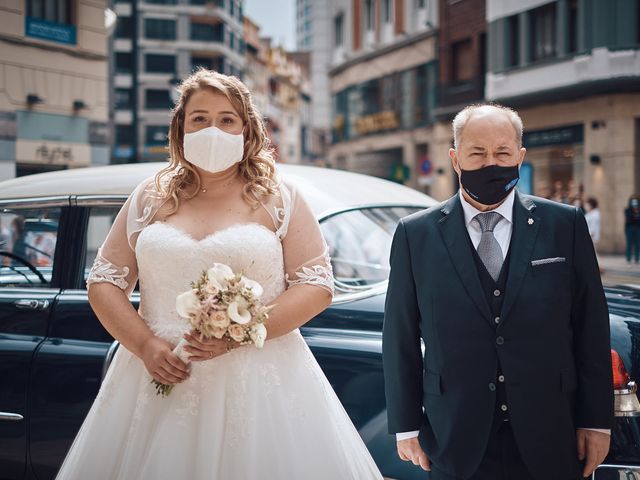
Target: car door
(29, 286)
(72, 361)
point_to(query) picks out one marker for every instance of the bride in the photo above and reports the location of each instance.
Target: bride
(236, 412)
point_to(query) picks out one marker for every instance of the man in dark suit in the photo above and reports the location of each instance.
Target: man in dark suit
(515, 381)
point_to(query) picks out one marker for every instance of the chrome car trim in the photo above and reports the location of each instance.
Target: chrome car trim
(377, 289)
(109, 358)
(631, 388)
(36, 202)
(11, 417)
(621, 469)
(337, 211)
(99, 200)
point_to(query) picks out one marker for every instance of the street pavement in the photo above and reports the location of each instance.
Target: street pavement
(616, 270)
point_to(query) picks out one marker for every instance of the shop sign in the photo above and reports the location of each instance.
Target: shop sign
(399, 173)
(47, 152)
(55, 32)
(387, 120)
(571, 134)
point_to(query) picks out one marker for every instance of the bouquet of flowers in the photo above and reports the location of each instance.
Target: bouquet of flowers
(222, 304)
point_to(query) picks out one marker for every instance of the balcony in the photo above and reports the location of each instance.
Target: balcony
(601, 68)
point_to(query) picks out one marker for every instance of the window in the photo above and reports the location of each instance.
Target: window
(210, 63)
(156, 135)
(543, 32)
(359, 243)
(124, 27)
(156, 63)
(124, 135)
(462, 61)
(387, 11)
(56, 11)
(123, 99)
(232, 41)
(369, 13)
(157, 99)
(338, 27)
(572, 46)
(28, 244)
(124, 62)
(100, 221)
(421, 3)
(207, 32)
(232, 7)
(159, 29)
(513, 42)
(161, 2)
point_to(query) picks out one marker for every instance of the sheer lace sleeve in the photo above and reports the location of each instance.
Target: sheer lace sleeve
(115, 262)
(306, 256)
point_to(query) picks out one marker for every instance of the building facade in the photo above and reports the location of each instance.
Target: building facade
(54, 108)
(571, 68)
(384, 90)
(157, 43)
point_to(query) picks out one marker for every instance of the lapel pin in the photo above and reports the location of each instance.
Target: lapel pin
(530, 221)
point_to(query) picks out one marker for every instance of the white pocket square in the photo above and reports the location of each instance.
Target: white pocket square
(544, 261)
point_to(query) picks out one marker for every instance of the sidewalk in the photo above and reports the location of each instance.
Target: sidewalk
(618, 271)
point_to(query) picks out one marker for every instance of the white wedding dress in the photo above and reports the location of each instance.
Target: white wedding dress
(266, 414)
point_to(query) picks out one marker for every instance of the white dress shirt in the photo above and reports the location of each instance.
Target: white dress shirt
(502, 231)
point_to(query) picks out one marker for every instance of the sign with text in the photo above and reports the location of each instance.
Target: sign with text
(48, 152)
(55, 32)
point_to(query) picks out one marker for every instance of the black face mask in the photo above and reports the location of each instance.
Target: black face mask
(489, 185)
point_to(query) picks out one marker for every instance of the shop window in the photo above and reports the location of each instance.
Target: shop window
(462, 61)
(156, 63)
(124, 135)
(543, 32)
(159, 29)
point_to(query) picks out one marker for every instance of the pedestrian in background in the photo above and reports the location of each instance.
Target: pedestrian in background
(632, 228)
(592, 215)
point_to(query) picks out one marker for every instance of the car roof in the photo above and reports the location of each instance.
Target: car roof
(324, 189)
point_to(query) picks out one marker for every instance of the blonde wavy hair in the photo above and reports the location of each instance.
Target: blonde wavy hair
(180, 179)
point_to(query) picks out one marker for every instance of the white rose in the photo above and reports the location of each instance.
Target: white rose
(187, 304)
(237, 332)
(238, 311)
(258, 334)
(254, 286)
(219, 274)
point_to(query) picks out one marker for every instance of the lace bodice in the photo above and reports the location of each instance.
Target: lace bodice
(169, 260)
(166, 258)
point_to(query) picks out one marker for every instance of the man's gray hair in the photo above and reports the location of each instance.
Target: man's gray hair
(465, 114)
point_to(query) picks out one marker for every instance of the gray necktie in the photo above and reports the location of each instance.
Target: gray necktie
(489, 249)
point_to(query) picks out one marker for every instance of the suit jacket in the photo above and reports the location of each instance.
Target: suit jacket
(552, 341)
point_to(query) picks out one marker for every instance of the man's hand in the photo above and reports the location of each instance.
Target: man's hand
(410, 451)
(593, 446)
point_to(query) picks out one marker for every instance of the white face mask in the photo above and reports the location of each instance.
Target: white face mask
(212, 149)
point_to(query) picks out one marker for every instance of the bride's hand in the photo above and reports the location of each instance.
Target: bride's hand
(161, 363)
(207, 348)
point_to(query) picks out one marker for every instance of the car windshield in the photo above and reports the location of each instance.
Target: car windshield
(359, 244)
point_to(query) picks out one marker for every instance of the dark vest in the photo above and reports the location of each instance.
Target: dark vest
(490, 288)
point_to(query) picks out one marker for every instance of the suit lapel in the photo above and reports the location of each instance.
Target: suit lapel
(523, 238)
(456, 238)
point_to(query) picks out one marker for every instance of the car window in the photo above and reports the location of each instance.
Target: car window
(27, 246)
(359, 244)
(100, 221)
